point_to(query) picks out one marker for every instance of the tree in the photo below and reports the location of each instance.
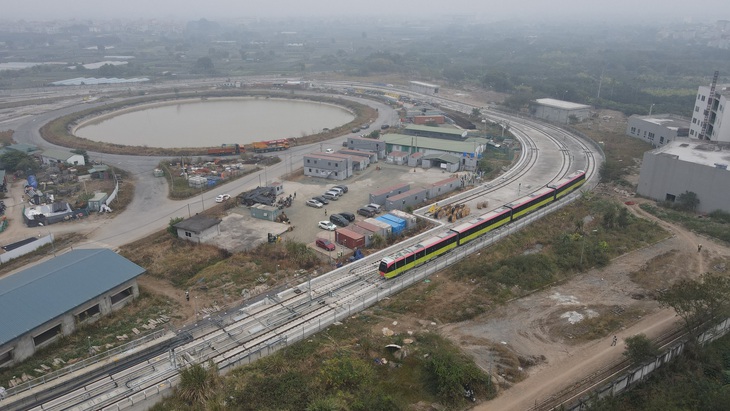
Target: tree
(639, 348)
(171, 225)
(476, 113)
(18, 161)
(688, 201)
(204, 65)
(700, 303)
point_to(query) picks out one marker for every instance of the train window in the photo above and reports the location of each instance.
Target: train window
(400, 263)
(409, 259)
(421, 253)
(383, 267)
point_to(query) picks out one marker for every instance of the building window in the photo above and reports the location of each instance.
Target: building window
(694, 121)
(310, 170)
(308, 160)
(88, 313)
(651, 135)
(691, 132)
(188, 234)
(703, 98)
(633, 130)
(698, 96)
(335, 173)
(661, 140)
(697, 109)
(6, 357)
(46, 336)
(122, 295)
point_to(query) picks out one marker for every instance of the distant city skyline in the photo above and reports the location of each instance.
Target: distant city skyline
(637, 12)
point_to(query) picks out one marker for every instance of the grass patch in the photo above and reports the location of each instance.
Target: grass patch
(715, 224)
(337, 370)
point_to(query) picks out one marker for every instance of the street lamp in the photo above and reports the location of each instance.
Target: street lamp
(651, 108)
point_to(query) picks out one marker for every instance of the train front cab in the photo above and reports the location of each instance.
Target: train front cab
(418, 254)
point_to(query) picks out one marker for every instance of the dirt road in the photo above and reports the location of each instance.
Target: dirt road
(531, 326)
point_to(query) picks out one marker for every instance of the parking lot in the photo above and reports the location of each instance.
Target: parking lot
(305, 219)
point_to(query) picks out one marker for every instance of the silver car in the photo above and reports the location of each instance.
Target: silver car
(314, 203)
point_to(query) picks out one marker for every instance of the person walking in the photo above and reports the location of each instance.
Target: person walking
(615, 341)
(325, 211)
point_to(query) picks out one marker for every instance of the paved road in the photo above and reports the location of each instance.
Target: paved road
(151, 210)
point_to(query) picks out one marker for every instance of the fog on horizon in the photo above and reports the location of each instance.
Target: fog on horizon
(631, 12)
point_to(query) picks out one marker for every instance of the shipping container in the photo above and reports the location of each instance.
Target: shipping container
(385, 229)
(410, 219)
(349, 238)
(398, 225)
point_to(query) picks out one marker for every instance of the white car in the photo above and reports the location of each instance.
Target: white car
(223, 197)
(327, 225)
(329, 150)
(314, 203)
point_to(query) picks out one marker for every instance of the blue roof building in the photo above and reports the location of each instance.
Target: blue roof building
(50, 299)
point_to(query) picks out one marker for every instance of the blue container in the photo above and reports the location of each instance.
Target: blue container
(397, 227)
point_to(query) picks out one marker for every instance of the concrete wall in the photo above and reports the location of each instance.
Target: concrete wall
(24, 347)
(663, 174)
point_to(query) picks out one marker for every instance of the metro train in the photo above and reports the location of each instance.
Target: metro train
(417, 254)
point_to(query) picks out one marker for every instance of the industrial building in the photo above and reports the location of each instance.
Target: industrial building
(367, 144)
(718, 120)
(696, 166)
(466, 153)
(435, 132)
(198, 228)
(51, 299)
(424, 88)
(559, 111)
(265, 212)
(410, 198)
(52, 157)
(327, 166)
(658, 129)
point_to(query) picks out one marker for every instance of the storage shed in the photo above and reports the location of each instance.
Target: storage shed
(414, 159)
(384, 229)
(349, 238)
(397, 157)
(366, 233)
(398, 225)
(379, 196)
(265, 212)
(410, 198)
(198, 228)
(96, 201)
(410, 219)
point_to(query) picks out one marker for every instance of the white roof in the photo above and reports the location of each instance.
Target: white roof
(698, 152)
(420, 83)
(566, 105)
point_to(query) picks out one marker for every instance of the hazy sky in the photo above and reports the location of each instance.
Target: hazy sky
(634, 11)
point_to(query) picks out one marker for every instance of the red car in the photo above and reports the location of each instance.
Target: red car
(326, 244)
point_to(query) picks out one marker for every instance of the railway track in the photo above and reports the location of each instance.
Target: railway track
(256, 330)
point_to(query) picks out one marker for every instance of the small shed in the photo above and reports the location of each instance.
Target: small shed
(384, 229)
(265, 212)
(100, 172)
(96, 201)
(366, 233)
(410, 219)
(278, 187)
(198, 228)
(349, 238)
(415, 159)
(397, 157)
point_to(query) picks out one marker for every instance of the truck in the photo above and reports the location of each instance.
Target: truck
(271, 145)
(226, 150)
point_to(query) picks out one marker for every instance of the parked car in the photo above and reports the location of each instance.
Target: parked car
(223, 197)
(349, 216)
(339, 220)
(366, 212)
(377, 207)
(340, 192)
(321, 200)
(326, 244)
(327, 225)
(314, 203)
(342, 187)
(329, 150)
(384, 126)
(331, 195)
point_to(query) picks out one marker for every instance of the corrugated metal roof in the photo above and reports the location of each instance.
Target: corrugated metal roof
(58, 154)
(197, 223)
(45, 291)
(565, 105)
(435, 130)
(428, 143)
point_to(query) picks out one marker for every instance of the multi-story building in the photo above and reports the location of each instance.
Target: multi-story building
(658, 129)
(718, 127)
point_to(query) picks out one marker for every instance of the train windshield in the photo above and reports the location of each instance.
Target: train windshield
(383, 267)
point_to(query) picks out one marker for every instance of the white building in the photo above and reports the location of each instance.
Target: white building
(424, 88)
(681, 166)
(559, 111)
(63, 157)
(658, 129)
(718, 128)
